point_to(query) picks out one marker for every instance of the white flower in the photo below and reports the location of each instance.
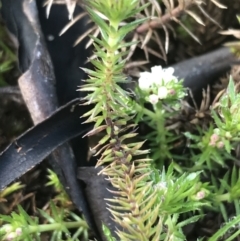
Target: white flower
(168, 75)
(158, 76)
(145, 80)
(156, 69)
(162, 92)
(153, 99)
(165, 75)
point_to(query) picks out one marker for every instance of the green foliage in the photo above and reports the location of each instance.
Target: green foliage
(57, 220)
(226, 190)
(108, 234)
(7, 57)
(62, 197)
(11, 189)
(210, 148)
(228, 231)
(175, 195)
(174, 191)
(149, 215)
(158, 192)
(215, 145)
(20, 226)
(157, 198)
(161, 138)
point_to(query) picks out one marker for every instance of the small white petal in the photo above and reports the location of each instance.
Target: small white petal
(145, 80)
(157, 70)
(157, 73)
(153, 99)
(169, 70)
(168, 76)
(162, 92)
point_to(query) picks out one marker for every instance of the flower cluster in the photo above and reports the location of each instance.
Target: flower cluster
(10, 232)
(215, 141)
(222, 139)
(160, 84)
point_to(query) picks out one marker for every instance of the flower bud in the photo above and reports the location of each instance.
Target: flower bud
(220, 144)
(18, 231)
(213, 139)
(162, 92)
(11, 236)
(172, 92)
(153, 99)
(228, 135)
(203, 193)
(7, 228)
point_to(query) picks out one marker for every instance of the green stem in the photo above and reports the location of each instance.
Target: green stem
(145, 111)
(224, 197)
(56, 226)
(158, 118)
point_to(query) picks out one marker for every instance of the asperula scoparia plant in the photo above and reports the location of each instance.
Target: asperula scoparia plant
(160, 190)
(157, 198)
(139, 207)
